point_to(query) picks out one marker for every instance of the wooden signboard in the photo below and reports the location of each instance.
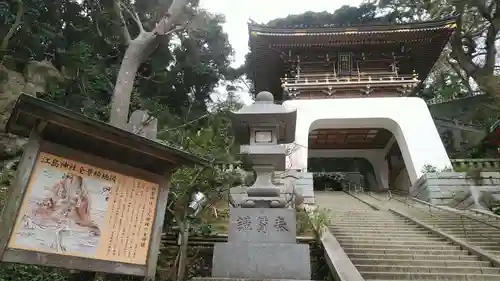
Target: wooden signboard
(71, 207)
(75, 209)
(97, 214)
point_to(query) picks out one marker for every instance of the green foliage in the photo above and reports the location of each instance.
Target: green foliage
(11, 272)
(495, 208)
(83, 41)
(312, 222)
(446, 86)
(319, 220)
(304, 227)
(427, 168)
(344, 16)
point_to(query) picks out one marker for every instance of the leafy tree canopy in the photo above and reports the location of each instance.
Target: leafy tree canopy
(81, 44)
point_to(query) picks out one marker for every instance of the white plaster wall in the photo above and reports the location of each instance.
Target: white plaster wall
(408, 119)
(375, 156)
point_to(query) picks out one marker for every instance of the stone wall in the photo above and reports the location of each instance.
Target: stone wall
(454, 188)
(304, 185)
(34, 79)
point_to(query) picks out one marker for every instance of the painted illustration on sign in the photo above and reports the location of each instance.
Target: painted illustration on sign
(75, 209)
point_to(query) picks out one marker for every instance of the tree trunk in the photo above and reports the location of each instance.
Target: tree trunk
(136, 52)
(489, 83)
(183, 250)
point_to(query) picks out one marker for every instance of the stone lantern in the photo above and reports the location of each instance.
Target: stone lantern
(262, 241)
(262, 129)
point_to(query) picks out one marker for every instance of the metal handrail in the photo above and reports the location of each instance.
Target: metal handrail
(485, 213)
(455, 212)
(462, 216)
(371, 195)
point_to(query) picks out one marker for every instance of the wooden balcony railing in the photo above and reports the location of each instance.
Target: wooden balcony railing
(325, 80)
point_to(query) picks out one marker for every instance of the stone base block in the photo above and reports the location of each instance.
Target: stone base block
(261, 261)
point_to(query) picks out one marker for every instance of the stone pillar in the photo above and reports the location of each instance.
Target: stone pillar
(262, 233)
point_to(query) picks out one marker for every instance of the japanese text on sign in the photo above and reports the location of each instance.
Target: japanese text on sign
(75, 209)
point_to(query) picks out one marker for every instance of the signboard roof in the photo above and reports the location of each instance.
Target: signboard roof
(71, 129)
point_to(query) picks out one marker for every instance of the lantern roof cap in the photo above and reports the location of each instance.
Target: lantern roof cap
(264, 113)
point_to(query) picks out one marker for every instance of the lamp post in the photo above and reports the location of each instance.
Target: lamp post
(262, 238)
(198, 201)
(262, 129)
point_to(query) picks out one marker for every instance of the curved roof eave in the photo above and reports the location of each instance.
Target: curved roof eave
(361, 28)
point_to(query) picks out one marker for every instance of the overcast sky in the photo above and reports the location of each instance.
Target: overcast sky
(238, 12)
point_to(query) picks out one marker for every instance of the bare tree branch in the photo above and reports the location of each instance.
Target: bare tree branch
(483, 10)
(172, 18)
(135, 17)
(95, 20)
(179, 28)
(465, 79)
(17, 23)
(458, 52)
(138, 50)
(118, 12)
(491, 50)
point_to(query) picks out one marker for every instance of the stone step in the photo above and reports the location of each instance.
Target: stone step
(458, 220)
(389, 246)
(458, 227)
(428, 276)
(395, 240)
(488, 248)
(482, 239)
(409, 235)
(423, 262)
(364, 217)
(428, 269)
(384, 246)
(383, 232)
(485, 241)
(410, 256)
(445, 220)
(475, 235)
(404, 229)
(360, 250)
(399, 243)
(472, 233)
(495, 253)
(371, 221)
(372, 224)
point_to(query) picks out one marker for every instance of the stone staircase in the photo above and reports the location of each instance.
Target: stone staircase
(477, 229)
(384, 246)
